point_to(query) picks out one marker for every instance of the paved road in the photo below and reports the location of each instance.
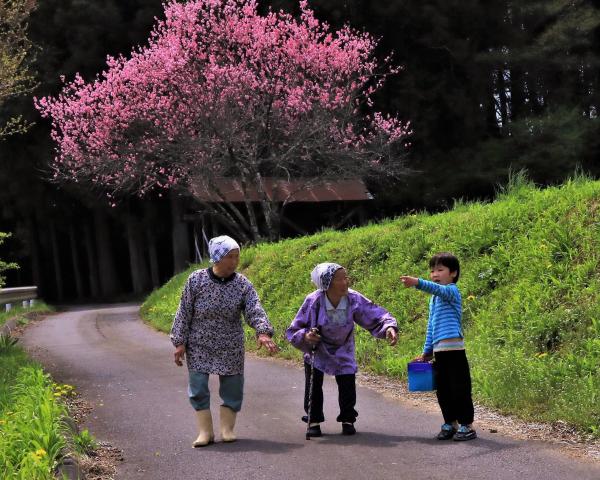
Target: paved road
(125, 369)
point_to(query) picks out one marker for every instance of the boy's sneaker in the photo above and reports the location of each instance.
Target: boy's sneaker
(348, 429)
(465, 433)
(447, 432)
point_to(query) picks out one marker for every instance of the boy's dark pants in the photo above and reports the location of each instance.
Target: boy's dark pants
(346, 396)
(453, 379)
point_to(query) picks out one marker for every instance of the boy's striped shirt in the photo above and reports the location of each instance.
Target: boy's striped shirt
(445, 313)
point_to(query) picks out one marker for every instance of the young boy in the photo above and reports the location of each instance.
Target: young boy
(445, 343)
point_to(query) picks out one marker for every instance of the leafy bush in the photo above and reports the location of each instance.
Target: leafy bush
(3, 265)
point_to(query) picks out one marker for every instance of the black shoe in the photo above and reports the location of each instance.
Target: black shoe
(314, 431)
(348, 429)
(465, 433)
(447, 432)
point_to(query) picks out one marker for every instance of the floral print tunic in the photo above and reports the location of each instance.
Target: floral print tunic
(208, 321)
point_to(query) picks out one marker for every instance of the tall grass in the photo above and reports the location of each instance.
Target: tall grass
(31, 420)
(530, 279)
(33, 433)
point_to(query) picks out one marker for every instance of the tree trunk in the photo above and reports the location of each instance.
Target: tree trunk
(137, 264)
(207, 233)
(503, 100)
(91, 261)
(517, 94)
(109, 281)
(269, 208)
(75, 261)
(153, 257)
(235, 221)
(250, 210)
(179, 235)
(60, 292)
(490, 107)
(34, 252)
(227, 213)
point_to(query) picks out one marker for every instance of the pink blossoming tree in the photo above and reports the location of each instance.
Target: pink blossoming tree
(221, 91)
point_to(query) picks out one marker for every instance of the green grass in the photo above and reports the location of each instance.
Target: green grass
(33, 432)
(530, 279)
(21, 314)
(31, 419)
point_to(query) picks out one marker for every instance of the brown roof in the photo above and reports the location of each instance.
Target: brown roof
(304, 190)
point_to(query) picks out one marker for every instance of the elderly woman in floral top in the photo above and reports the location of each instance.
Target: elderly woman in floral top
(207, 331)
(325, 322)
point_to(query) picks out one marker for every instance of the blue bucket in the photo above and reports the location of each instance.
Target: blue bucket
(420, 377)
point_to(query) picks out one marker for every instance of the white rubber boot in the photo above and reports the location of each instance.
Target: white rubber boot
(227, 424)
(206, 435)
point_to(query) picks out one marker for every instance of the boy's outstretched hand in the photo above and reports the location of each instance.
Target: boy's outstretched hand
(409, 281)
(391, 335)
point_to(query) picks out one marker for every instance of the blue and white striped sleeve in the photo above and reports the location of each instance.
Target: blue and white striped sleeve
(449, 293)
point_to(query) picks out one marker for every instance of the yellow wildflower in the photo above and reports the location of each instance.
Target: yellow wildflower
(38, 454)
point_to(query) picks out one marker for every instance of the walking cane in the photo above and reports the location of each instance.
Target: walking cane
(311, 382)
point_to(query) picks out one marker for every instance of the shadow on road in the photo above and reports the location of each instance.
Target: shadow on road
(262, 446)
(373, 439)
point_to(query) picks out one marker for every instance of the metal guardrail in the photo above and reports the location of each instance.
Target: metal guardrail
(26, 295)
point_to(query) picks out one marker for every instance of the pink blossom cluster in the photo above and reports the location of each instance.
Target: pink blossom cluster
(217, 80)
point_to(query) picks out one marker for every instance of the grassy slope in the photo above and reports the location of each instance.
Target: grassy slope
(530, 281)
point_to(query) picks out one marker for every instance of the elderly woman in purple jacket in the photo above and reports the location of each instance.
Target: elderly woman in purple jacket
(325, 322)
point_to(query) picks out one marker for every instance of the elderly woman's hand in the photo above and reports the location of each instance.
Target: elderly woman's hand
(268, 342)
(391, 335)
(179, 355)
(312, 337)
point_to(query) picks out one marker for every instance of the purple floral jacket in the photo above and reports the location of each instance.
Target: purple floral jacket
(335, 354)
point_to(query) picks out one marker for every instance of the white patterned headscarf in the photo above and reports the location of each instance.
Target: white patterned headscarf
(323, 273)
(218, 247)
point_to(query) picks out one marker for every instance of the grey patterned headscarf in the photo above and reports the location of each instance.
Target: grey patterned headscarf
(218, 247)
(323, 273)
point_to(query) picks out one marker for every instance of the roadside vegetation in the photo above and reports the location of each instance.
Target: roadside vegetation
(34, 432)
(22, 315)
(530, 280)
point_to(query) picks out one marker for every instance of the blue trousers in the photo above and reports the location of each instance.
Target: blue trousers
(231, 390)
